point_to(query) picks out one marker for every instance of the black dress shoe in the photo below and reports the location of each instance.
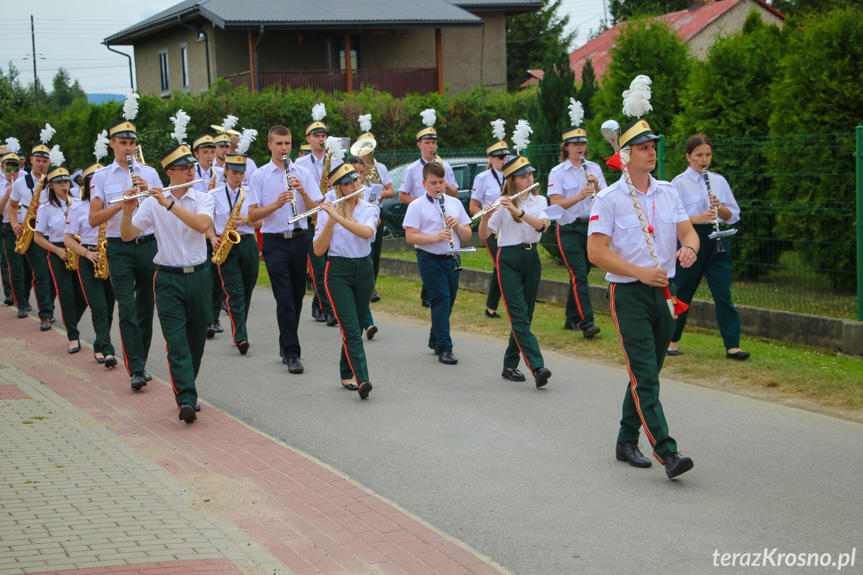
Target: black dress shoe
(110, 361)
(433, 346)
(676, 465)
(187, 413)
(75, 349)
(541, 376)
(375, 297)
(197, 407)
(211, 331)
(22, 313)
(675, 352)
(738, 355)
(218, 327)
(147, 376)
(138, 380)
(571, 325)
(590, 331)
(364, 390)
(512, 374)
(425, 303)
(492, 315)
(29, 307)
(295, 366)
(447, 357)
(318, 315)
(45, 324)
(243, 346)
(8, 301)
(331, 320)
(370, 333)
(98, 359)
(630, 453)
(350, 386)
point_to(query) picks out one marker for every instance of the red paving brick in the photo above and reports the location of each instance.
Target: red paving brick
(317, 522)
(211, 566)
(8, 391)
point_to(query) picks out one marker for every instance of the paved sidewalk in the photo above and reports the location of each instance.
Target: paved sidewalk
(98, 479)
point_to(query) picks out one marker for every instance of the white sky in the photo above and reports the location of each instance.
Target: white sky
(69, 33)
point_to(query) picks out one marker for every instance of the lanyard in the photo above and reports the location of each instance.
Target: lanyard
(652, 216)
(499, 182)
(228, 195)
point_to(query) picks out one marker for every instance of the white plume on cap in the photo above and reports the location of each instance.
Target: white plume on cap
(429, 117)
(100, 150)
(636, 100)
(47, 133)
(130, 108)
(246, 138)
(229, 122)
(56, 156)
(334, 148)
(319, 112)
(520, 136)
(498, 130)
(576, 112)
(180, 120)
(365, 122)
(13, 144)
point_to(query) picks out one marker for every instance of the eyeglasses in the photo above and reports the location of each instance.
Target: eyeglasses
(12, 168)
(187, 169)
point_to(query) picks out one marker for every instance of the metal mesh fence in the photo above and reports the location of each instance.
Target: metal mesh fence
(781, 254)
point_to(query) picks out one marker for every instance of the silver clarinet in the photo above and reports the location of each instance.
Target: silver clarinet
(290, 187)
(452, 251)
(717, 234)
(587, 176)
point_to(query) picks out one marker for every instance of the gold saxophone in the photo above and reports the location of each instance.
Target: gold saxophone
(213, 179)
(72, 257)
(229, 236)
(23, 242)
(326, 172)
(100, 270)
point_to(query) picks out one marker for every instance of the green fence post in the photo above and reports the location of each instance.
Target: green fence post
(859, 223)
(660, 158)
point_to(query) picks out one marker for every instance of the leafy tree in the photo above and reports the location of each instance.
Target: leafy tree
(65, 92)
(549, 115)
(531, 36)
(588, 89)
(801, 7)
(622, 10)
(12, 94)
(819, 89)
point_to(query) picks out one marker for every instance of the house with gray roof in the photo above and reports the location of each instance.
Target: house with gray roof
(397, 46)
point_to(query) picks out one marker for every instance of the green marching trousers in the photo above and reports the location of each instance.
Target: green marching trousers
(519, 270)
(132, 268)
(43, 285)
(237, 277)
(217, 294)
(99, 294)
(349, 284)
(20, 276)
(317, 268)
(644, 324)
(5, 275)
(572, 241)
(182, 301)
(493, 298)
(72, 302)
(716, 267)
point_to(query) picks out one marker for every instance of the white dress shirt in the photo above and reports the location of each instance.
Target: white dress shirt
(424, 214)
(693, 193)
(614, 215)
(412, 180)
(316, 167)
(487, 186)
(268, 182)
(112, 181)
(23, 194)
(344, 243)
(77, 223)
(566, 180)
(224, 204)
(51, 220)
(206, 176)
(178, 244)
(511, 233)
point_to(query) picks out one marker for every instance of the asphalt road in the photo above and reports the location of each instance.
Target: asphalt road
(528, 477)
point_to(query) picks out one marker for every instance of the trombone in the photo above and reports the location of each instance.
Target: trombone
(495, 204)
(319, 207)
(137, 195)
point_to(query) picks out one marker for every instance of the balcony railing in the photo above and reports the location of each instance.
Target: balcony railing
(397, 81)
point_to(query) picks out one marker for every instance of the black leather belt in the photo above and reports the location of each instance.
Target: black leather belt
(425, 253)
(582, 220)
(90, 247)
(182, 270)
(524, 246)
(138, 240)
(286, 236)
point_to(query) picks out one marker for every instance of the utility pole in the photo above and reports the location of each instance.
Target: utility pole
(35, 77)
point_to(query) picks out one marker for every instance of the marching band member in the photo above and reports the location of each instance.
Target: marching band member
(412, 186)
(238, 273)
(179, 219)
(130, 262)
(36, 259)
(222, 139)
(305, 150)
(285, 246)
(315, 163)
(486, 189)
(425, 229)
(571, 189)
(360, 167)
(635, 225)
(519, 224)
(98, 292)
(345, 232)
(713, 262)
(10, 163)
(50, 227)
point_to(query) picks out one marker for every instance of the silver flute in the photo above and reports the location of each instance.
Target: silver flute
(137, 195)
(319, 207)
(290, 188)
(495, 204)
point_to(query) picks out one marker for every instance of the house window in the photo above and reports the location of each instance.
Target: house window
(163, 72)
(184, 65)
(355, 42)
